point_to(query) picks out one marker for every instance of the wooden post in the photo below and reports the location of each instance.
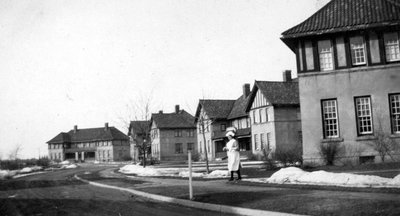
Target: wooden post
(190, 176)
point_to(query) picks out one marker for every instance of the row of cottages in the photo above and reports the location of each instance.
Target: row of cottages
(267, 119)
(90, 144)
(348, 62)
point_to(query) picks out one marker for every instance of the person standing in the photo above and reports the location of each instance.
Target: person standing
(232, 149)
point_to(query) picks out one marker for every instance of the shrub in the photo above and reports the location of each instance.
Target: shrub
(289, 156)
(329, 151)
(126, 158)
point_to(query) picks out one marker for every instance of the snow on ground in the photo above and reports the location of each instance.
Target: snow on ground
(177, 172)
(293, 175)
(290, 175)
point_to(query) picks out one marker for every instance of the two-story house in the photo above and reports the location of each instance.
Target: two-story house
(139, 135)
(89, 144)
(216, 116)
(172, 135)
(348, 63)
(274, 110)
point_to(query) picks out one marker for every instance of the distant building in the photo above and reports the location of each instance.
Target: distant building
(217, 116)
(139, 133)
(172, 135)
(89, 144)
(348, 62)
(274, 110)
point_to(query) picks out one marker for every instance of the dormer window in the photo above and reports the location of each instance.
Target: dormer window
(392, 46)
(357, 49)
(325, 52)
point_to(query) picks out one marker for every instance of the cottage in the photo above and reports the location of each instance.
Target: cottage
(274, 110)
(348, 62)
(172, 135)
(89, 144)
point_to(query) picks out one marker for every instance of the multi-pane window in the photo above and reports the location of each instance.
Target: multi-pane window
(254, 116)
(178, 133)
(364, 115)
(268, 141)
(392, 48)
(262, 139)
(330, 118)
(190, 133)
(357, 49)
(190, 146)
(223, 127)
(178, 148)
(325, 52)
(256, 141)
(395, 112)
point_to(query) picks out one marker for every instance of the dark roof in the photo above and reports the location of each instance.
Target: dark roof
(239, 108)
(90, 134)
(215, 109)
(276, 93)
(182, 119)
(348, 15)
(139, 127)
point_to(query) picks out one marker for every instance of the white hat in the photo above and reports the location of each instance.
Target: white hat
(230, 133)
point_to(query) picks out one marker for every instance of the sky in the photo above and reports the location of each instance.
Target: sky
(84, 63)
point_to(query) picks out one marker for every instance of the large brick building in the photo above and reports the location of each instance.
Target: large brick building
(89, 144)
(348, 60)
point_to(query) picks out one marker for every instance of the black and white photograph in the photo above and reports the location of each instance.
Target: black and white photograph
(199, 107)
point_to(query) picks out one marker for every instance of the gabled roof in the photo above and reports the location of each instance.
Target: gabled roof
(239, 108)
(89, 135)
(139, 127)
(182, 119)
(347, 15)
(215, 109)
(276, 93)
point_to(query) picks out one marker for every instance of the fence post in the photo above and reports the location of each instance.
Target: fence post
(190, 175)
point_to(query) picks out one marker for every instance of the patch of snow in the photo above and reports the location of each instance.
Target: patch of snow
(71, 166)
(218, 174)
(185, 174)
(293, 175)
(66, 162)
(26, 170)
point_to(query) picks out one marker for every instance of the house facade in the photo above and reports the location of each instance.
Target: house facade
(348, 62)
(172, 135)
(216, 116)
(274, 110)
(90, 144)
(139, 139)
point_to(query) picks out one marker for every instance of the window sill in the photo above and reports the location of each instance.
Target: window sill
(394, 136)
(366, 137)
(327, 140)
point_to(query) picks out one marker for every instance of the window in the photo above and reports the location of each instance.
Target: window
(254, 116)
(262, 141)
(325, 52)
(357, 49)
(266, 115)
(261, 115)
(178, 148)
(223, 127)
(247, 122)
(256, 141)
(330, 118)
(178, 133)
(364, 115)
(392, 47)
(190, 146)
(268, 141)
(394, 101)
(190, 133)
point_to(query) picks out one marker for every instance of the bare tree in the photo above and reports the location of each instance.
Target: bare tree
(204, 123)
(138, 111)
(14, 153)
(383, 143)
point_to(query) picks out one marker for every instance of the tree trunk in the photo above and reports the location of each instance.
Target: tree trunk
(205, 145)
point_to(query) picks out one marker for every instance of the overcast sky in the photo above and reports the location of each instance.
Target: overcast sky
(74, 62)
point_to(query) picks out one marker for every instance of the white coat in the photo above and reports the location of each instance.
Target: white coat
(232, 148)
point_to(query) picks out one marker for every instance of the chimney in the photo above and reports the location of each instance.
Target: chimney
(176, 109)
(246, 89)
(160, 112)
(287, 76)
(106, 126)
(75, 128)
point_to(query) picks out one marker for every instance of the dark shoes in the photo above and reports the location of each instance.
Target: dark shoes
(231, 179)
